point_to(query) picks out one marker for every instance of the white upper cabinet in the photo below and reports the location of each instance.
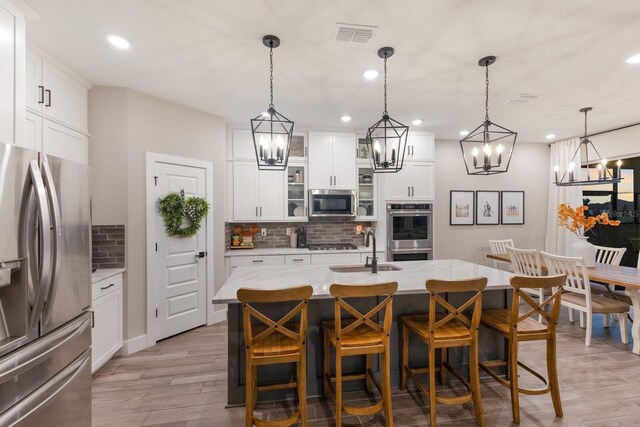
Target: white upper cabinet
(415, 182)
(420, 146)
(332, 160)
(12, 48)
(60, 141)
(54, 93)
(242, 147)
(257, 195)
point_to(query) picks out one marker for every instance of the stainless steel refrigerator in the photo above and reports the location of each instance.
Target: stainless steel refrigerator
(45, 290)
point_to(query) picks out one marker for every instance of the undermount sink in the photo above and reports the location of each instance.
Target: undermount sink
(361, 268)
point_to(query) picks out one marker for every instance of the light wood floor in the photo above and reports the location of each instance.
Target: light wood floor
(182, 382)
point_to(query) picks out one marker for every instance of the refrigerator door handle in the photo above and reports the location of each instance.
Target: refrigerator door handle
(42, 272)
(46, 394)
(56, 225)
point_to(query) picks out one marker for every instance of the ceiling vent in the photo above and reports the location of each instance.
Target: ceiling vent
(353, 33)
(522, 98)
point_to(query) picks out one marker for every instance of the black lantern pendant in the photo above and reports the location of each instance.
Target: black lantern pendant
(387, 138)
(493, 141)
(271, 130)
(604, 174)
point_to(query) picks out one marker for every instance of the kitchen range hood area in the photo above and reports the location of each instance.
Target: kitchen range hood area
(282, 213)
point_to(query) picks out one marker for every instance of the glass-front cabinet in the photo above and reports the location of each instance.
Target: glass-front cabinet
(367, 192)
(296, 192)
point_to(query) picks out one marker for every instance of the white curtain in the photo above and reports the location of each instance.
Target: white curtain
(559, 240)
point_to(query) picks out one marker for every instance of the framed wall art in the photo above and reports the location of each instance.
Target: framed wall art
(512, 207)
(487, 207)
(461, 207)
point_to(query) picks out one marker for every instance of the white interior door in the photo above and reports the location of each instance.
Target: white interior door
(181, 273)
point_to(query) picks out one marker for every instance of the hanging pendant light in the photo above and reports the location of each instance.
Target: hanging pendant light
(492, 140)
(387, 138)
(605, 175)
(271, 130)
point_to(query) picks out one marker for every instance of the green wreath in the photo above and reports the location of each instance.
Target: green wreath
(175, 209)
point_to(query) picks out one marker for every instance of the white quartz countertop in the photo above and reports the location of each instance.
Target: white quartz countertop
(411, 279)
(105, 273)
(292, 251)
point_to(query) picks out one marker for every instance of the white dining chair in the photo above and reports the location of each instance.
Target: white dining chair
(526, 262)
(499, 247)
(578, 296)
(611, 256)
(606, 255)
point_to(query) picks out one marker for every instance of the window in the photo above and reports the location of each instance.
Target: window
(620, 201)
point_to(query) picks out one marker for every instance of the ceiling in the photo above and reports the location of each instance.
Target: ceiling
(209, 55)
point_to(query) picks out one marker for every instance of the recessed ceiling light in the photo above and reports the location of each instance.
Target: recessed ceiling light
(464, 132)
(635, 59)
(371, 74)
(550, 136)
(118, 41)
(416, 122)
(345, 118)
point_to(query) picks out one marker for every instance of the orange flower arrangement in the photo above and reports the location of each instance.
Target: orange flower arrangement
(576, 222)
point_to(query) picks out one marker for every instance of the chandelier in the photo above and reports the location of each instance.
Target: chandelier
(387, 138)
(271, 130)
(492, 140)
(605, 176)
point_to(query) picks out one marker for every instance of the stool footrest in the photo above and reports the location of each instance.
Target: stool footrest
(449, 400)
(488, 365)
(284, 422)
(277, 386)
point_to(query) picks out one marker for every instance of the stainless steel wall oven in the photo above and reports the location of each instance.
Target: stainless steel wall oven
(409, 231)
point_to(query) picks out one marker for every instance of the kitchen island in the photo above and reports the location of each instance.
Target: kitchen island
(411, 298)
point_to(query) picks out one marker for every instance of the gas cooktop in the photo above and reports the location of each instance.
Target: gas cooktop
(331, 246)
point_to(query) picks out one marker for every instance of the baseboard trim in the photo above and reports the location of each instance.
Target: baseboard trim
(218, 316)
(134, 345)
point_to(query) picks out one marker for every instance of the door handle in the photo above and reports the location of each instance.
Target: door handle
(201, 254)
(93, 319)
(41, 271)
(260, 210)
(56, 226)
(408, 191)
(256, 211)
(48, 92)
(40, 94)
(102, 288)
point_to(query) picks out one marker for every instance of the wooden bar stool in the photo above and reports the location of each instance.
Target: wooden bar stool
(516, 328)
(442, 331)
(269, 342)
(362, 335)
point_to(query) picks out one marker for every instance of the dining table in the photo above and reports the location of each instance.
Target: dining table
(626, 277)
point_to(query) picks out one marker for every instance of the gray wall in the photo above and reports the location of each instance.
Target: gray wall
(124, 125)
(528, 172)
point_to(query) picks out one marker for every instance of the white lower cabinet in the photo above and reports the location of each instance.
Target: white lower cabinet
(297, 259)
(257, 261)
(106, 325)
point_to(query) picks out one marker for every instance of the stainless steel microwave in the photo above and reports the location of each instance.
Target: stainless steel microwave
(332, 203)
